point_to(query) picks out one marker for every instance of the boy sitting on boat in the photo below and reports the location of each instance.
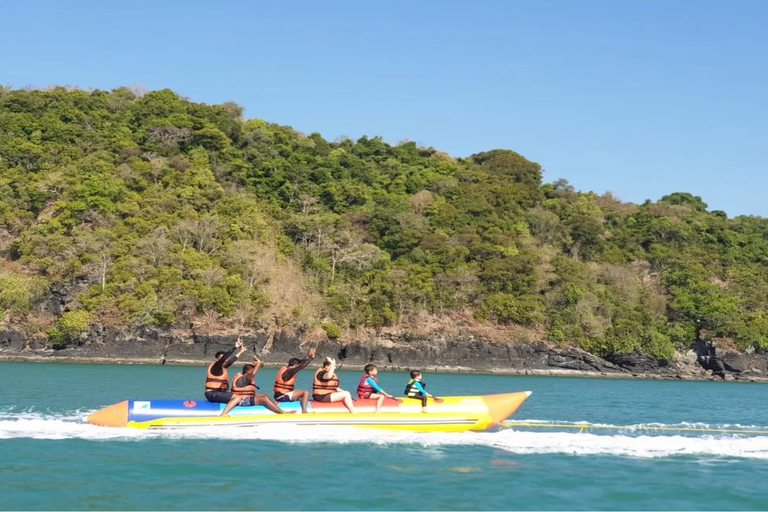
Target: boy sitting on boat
(415, 389)
(369, 386)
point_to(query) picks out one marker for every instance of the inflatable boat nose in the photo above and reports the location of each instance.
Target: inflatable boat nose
(113, 416)
(501, 407)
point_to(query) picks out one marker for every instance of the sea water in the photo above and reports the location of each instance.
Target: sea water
(648, 445)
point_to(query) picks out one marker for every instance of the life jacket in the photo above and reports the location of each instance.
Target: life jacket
(324, 387)
(247, 390)
(411, 390)
(364, 387)
(281, 386)
(216, 382)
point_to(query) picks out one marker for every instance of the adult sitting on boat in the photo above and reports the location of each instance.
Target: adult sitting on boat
(244, 391)
(325, 386)
(285, 381)
(217, 377)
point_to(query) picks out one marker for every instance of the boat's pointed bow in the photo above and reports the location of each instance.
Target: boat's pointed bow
(501, 406)
(113, 416)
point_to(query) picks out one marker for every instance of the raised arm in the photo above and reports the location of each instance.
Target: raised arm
(230, 358)
(287, 374)
(331, 369)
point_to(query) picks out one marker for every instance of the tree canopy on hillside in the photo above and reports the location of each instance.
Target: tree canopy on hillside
(153, 209)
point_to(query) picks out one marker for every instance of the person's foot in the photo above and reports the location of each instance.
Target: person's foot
(424, 409)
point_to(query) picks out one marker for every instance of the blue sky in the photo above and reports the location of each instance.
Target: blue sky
(638, 98)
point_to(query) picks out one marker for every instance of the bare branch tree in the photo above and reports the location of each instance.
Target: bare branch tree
(169, 136)
(154, 246)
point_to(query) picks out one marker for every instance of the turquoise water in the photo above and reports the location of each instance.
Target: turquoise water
(49, 460)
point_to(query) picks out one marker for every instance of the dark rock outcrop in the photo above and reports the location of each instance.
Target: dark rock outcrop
(724, 361)
(393, 351)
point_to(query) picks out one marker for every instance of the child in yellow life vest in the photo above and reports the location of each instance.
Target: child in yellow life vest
(415, 389)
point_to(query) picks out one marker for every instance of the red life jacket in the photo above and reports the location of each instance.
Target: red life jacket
(247, 390)
(364, 387)
(281, 386)
(216, 382)
(324, 387)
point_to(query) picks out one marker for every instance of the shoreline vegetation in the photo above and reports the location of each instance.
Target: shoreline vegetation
(129, 216)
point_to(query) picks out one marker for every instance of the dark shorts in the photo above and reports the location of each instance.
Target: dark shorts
(322, 398)
(219, 397)
(247, 401)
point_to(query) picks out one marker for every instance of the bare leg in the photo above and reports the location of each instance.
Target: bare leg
(235, 400)
(262, 399)
(343, 396)
(304, 396)
(379, 400)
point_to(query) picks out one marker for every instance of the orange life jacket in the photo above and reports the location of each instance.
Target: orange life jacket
(247, 390)
(217, 382)
(363, 387)
(284, 386)
(324, 387)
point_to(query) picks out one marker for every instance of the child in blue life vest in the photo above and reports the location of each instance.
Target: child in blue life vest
(415, 389)
(369, 386)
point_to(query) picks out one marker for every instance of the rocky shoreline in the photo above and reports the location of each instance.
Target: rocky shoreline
(704, 360)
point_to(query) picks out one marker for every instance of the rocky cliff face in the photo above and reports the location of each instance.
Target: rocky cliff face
(464, 353)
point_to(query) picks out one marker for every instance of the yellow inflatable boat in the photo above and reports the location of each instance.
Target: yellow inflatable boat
(453, 414)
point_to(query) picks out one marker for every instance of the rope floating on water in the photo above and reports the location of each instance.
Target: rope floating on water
(581, 427)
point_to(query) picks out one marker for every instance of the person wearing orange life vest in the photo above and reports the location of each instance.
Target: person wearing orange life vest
(369, 386)
(325, 386)
(285, 381)
(217, 376)
(244, 391)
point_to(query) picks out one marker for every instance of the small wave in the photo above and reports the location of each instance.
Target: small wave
(70, 425)
(632, 446)
(696, 427)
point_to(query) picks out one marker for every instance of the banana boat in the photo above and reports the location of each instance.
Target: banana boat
(453, 414)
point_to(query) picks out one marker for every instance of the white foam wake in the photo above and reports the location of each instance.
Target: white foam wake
(70, 426)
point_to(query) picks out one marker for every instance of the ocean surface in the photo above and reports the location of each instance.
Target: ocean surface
(649, 445)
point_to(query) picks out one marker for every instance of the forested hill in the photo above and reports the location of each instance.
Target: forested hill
(138, 209)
